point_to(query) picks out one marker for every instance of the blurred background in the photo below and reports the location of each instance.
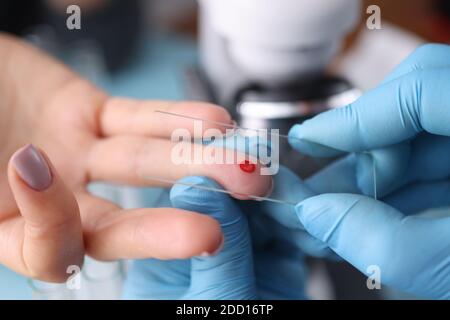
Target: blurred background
(155, 49)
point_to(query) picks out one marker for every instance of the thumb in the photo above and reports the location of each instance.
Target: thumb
(411, 252)
(229, 273)
(52, 232)
(358, 228)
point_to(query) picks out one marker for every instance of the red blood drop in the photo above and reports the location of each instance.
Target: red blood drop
(247, 166)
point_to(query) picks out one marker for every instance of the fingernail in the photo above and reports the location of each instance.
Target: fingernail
(32, 167)
(215, 252)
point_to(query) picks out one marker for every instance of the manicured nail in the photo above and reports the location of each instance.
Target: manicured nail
(32, 167)
(215, 252)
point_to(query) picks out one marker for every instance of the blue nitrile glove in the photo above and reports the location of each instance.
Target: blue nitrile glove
(405, 123)
(412, 101)
(228, 275)
(412, 252)
(273, 222)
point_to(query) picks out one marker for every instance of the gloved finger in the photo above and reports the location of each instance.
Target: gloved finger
(391, 113)
(47, 238)
(228, 274)
(157, 279)
(426, 56)
(366, 232)
(352, 225)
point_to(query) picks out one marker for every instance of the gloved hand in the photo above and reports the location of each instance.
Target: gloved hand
(398, 125)
(234, 273)
(405, 125)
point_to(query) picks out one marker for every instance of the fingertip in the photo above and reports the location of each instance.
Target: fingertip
(180, 234)
(216, 251)
(52, 228)
(295, 136)
(207, 241)
(299, 142)
(35, 182)
(30, 166)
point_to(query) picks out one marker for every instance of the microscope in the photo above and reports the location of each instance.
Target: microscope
(266, 62)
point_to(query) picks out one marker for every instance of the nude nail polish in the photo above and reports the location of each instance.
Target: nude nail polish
(32, 168)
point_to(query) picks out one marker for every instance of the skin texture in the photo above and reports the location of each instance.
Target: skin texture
(85, 136)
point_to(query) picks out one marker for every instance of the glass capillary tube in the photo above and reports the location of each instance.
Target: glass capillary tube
(252, 197)
(226, 125)
(234, 126)
(231, 126)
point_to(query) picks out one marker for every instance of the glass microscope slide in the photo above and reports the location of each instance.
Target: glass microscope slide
(254, 152)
